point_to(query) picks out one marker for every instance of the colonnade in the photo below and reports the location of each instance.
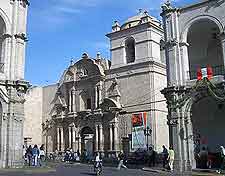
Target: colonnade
(74, 138)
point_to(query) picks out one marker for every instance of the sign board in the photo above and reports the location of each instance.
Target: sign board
(139, 122)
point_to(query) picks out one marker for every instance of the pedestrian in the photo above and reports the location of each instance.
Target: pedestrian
(171, 156)
(35, 152)
(203, 157)
(151, 157)
(29, 155)
(41, 155)
(121, 161)
(25, 154)
(165, 156)
(222, 153)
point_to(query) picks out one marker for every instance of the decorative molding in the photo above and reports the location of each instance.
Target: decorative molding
(21, 36)
(172, 122)
(171, 43)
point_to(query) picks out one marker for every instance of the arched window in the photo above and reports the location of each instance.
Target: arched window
(130, 50)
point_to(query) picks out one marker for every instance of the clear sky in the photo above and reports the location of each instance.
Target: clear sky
(59, 30)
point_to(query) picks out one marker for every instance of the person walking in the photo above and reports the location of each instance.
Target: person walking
(121, 161)
(42, 155)
(35, 152)
(29, 155)
(165, 156)
(203, 156)
(171, 156)
(151, 157)
(222, 153)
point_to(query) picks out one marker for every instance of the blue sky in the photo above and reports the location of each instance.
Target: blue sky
(59, 30)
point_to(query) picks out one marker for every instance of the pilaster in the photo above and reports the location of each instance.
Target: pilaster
(222, 36)
(171, 35)
(110, 137)
(101, 140)
(96, 138)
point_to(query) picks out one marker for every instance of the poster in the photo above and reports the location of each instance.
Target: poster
(139, 121)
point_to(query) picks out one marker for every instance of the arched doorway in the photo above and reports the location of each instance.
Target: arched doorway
(208, 127)
(87, 142)
(205, 47)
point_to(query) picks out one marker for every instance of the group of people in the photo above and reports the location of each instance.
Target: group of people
(70, 155)
(34, 156)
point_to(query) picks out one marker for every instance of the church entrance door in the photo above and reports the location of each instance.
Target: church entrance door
(87, 142)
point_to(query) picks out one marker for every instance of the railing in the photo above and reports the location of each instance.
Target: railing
(217, 70)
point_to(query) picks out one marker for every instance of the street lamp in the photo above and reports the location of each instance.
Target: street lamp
(147, 133)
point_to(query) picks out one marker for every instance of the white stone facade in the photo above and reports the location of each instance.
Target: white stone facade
(13, 17)
(93, 103)
(194, 39)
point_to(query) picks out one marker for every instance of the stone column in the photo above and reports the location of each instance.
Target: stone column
(70, 137)
(222, 36)
(74, 99)
(185, 62)
(116, 137)
(190, 161)
(62, 139)
(101, 142)
(96, 138)
(96, 97)
(58, 139)
(110, 137)
(79, 143)
(100, 92)
(74, 139)
(70, 105)
(6, 54)
(174, 122)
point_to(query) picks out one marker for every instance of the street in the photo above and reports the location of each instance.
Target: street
(78, 170)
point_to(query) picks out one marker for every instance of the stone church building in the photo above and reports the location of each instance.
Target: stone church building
(195, 92)
(13, 17)
(92, 105)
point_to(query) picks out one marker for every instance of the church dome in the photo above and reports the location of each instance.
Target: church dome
(138, 19)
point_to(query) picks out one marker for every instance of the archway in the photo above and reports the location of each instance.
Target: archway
(87, 142)
(205, 47)
(208, 127)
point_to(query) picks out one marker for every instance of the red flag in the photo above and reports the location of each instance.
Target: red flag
(199, 74)
(209, 72)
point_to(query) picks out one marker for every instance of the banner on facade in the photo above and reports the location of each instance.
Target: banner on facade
(139, 122)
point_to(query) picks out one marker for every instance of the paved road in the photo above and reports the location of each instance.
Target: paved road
(82, 170)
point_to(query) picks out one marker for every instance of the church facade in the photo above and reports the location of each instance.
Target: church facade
(13, 16)
(195, 93)
(96, 99)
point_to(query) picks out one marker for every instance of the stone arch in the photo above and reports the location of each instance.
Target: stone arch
(6, 22)
(198, 122)
(184, 33)
(205, 46)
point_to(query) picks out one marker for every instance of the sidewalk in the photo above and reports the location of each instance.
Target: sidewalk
(195, 172)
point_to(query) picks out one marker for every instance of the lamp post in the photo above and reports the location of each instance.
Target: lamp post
(147, 133)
